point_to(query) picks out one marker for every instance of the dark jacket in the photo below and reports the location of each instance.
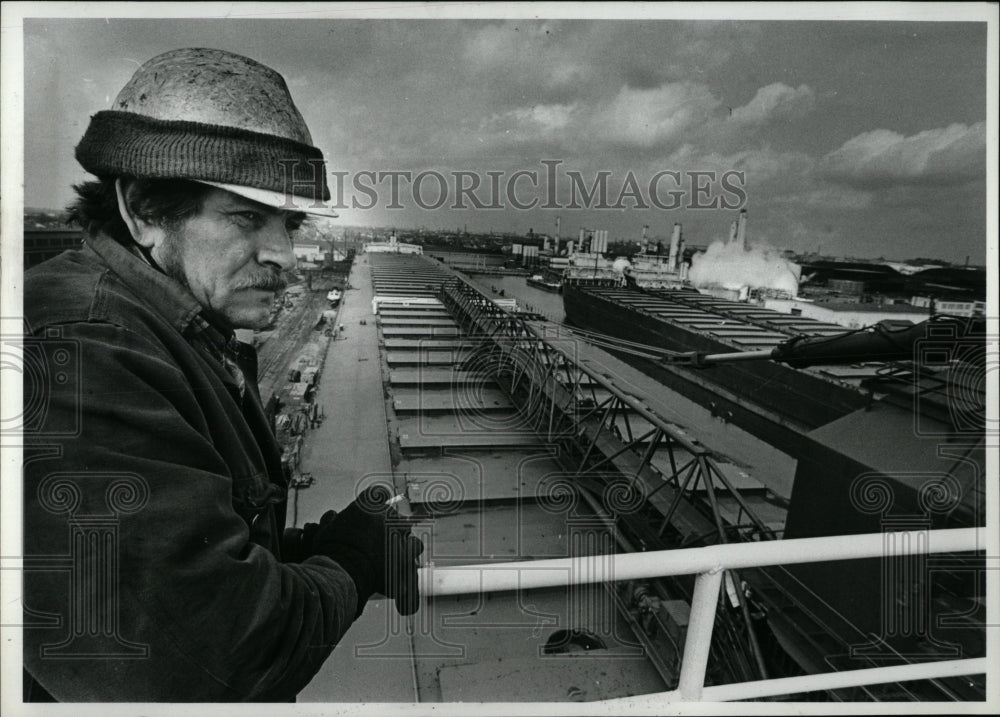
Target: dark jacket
(153, 500)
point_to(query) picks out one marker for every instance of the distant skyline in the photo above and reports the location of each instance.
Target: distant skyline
(854, 138)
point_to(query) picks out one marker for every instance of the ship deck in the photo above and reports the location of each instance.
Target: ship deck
(410, 398)
(740, 327)
(456, 445)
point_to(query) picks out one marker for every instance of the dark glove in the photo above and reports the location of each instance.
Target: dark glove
(297, 543)
(373, 543)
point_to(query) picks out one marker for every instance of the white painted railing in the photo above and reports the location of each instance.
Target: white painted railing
(709, 563)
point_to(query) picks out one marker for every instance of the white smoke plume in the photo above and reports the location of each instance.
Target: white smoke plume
(730, 266)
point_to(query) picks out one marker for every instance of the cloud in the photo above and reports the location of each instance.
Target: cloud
(641, 96)
(539, 58)
(767, 173)
(775, 101)
(676, 117)
(637, 119)
(531, 122)
(648, 117)
(833, 197)
(690, 112)
(945, 156)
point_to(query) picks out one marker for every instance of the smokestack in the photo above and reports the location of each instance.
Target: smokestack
(741, 230)
(599, 241)
(732, 232)
(675, 240)
(643, 243)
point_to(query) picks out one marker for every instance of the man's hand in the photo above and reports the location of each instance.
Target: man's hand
(297, 543)
(373, 543)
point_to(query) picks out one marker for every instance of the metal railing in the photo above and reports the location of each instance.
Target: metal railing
(709, 564)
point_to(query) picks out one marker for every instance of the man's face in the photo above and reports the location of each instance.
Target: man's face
(231, 256)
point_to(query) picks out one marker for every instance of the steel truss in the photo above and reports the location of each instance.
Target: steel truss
(608, 438)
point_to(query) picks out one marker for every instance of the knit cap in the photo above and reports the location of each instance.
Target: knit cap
(215, 117)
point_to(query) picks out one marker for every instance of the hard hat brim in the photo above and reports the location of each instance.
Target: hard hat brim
(278, 200)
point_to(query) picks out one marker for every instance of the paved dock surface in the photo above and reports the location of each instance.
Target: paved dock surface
(349, 445)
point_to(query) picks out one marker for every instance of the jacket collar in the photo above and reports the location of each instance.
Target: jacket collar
(164, 294)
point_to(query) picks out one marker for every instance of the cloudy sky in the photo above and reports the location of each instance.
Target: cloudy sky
(856, 138)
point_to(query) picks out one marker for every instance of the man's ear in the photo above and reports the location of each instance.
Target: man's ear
(144, 234)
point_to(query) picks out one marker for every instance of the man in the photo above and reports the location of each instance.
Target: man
(157, 563)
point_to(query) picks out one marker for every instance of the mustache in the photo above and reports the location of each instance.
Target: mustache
(264, 280)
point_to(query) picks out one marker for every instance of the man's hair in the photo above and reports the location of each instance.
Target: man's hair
(162, 202)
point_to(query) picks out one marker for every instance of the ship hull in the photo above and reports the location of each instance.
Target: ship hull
(776, 403)
(544, 285)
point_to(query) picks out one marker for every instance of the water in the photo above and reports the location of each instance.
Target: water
(528, 297)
